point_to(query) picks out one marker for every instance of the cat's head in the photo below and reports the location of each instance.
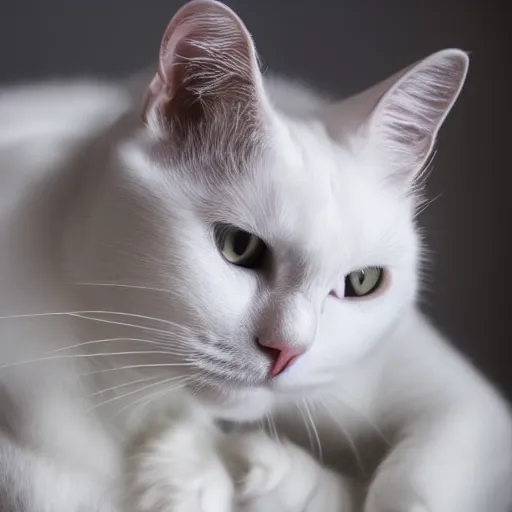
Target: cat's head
(277, 234)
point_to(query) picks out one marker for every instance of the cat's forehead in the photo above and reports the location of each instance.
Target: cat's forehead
(311, 194)
(294, 181)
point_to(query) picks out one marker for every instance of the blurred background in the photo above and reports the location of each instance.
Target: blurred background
(342, 46)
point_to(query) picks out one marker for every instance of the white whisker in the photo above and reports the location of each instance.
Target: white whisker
(315, 430)
(137, 366)
(122, 324)
(86, 356)
(139, 390)
(121, 285)
(183, 351)
(306, 424)
(349, 439)
(131, 315)
(425, 205)
(146, 400)
(271, 427)
(87, 316)
(201, 384)
(126, 384)
(364, 417)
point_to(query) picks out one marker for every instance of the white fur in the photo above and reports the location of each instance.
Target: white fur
(106, 223)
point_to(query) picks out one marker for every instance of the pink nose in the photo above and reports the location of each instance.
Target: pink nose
(283, 354)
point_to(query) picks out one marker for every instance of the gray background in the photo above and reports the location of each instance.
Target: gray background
(342, 46)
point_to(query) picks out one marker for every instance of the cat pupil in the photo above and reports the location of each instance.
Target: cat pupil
(240, 242)
(361, 277)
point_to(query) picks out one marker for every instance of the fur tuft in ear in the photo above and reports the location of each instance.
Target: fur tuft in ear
(207, 64)
(402, 115)
(408, 118)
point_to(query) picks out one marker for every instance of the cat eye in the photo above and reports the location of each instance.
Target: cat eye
(363, 282)
(240, 247)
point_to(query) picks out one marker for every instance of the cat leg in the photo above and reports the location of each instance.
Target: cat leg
(278, 476)
(32, 483)
(453, 463)
(175, 466)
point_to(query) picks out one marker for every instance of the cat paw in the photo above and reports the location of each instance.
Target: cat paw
(178, 469)
(279, 476)
(391, 492)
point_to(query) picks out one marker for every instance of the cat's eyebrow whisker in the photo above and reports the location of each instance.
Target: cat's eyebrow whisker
(345, 433)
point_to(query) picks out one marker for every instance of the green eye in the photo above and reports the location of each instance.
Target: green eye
(240, 247)
(363, 282)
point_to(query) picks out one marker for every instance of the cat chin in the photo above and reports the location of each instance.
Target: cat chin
(245, 405)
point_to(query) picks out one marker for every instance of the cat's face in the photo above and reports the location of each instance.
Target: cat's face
(318, 216)
(270, 231)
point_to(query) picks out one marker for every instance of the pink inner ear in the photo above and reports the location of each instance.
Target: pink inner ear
(173, 35)
(206, 55)
(160, 84)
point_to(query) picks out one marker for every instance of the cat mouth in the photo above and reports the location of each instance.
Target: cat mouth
(211, 388)
(236, 403)
(233, 376)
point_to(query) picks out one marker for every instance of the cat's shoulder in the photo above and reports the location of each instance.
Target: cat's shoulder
(42, 123)
(57, 108)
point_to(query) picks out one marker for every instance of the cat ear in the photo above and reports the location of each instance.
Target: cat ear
(207, 64)
(403, 114)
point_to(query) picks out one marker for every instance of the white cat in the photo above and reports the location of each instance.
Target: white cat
(242, 251)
